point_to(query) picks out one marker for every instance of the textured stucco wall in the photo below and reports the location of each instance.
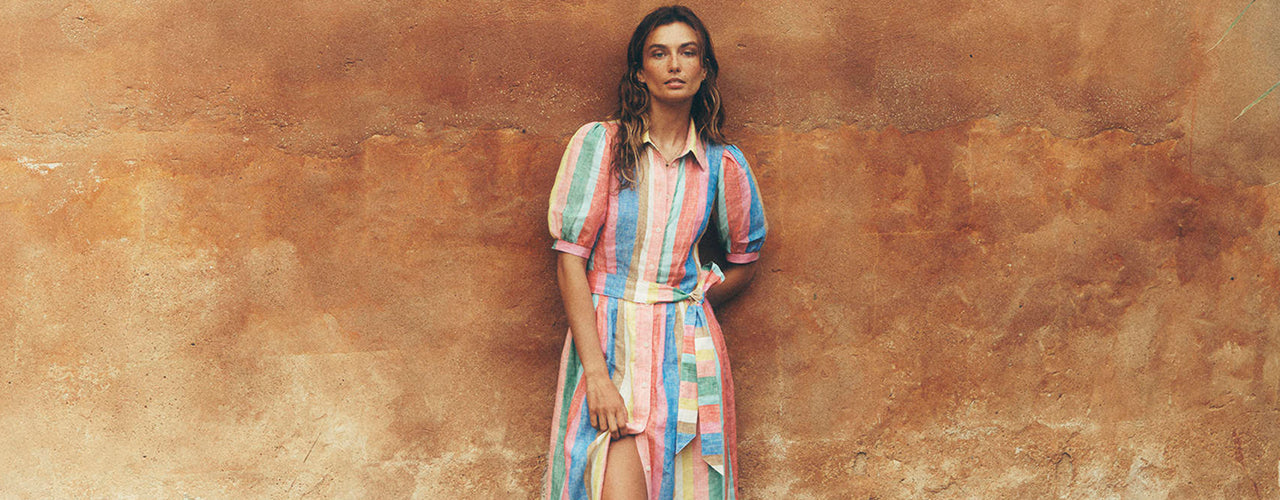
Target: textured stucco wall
(280, 248)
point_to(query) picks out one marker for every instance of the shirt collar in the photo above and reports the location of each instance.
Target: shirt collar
(692, 143)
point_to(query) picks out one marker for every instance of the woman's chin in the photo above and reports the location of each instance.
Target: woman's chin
(673, 99)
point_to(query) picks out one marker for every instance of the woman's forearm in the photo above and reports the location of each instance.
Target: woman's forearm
(736, 279)
(571, 273)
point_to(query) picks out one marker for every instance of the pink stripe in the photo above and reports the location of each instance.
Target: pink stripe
(694, 205)
(642, 446)
(572, 248)
(737, 202)
(659, 213)
(657, 428)
(641, 378)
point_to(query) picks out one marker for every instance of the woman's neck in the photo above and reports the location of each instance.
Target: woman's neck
(668, 124)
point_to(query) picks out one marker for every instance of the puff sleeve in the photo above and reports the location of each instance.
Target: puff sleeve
(579, 199)
(740, 211)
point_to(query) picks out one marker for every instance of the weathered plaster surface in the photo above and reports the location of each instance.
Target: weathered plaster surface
(282, 249)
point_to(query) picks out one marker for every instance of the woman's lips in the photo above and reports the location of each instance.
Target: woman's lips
(675, 84)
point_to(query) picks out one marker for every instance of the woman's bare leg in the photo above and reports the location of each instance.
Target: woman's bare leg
(624, 475)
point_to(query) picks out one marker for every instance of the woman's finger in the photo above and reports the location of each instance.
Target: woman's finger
(595, 419)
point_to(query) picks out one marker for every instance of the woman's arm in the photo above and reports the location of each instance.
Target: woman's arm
(604, 402)
(736, 279)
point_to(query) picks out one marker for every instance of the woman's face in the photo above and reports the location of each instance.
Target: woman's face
(673, 69)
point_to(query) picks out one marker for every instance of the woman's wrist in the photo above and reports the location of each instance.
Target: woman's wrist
(599, 374)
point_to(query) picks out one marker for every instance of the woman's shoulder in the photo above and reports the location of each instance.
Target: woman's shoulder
(602, 128)
(729, 152)
(591, 142)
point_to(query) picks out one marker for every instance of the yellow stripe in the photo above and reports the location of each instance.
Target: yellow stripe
(689, 488)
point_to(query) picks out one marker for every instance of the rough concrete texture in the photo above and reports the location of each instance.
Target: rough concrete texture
(276, 249)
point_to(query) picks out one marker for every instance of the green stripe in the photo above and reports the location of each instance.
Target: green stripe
(715, 482)
(677, 204)
(571, 373)
(708, 387)
(582, 188)
(689, 370)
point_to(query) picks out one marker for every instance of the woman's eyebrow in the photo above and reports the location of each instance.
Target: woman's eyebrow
(683, 45)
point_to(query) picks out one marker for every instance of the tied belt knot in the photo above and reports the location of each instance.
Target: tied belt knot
(701, 403)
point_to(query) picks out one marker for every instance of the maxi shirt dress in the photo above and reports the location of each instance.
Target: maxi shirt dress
(661, 342)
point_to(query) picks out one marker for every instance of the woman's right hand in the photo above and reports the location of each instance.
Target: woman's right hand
(605, 405)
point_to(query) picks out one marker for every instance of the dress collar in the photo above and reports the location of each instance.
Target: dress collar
(692, 144)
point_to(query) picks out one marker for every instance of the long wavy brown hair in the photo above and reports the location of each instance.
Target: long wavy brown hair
(632, 112)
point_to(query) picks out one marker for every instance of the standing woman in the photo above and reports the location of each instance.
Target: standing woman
(644, 400)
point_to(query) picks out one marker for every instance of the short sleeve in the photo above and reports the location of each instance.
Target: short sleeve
(739, 209)
(579, 199)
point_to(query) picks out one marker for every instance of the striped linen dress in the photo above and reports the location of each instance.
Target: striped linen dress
(662, 344)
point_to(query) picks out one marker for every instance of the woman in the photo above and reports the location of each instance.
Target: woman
(644, 383)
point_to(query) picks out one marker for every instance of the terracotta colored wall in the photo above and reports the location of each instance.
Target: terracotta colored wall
(284, 248)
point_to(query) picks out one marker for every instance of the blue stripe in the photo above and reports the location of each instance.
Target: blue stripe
(609, 328)
(578, 465)
(756, 225)
(615, 285)
(671, 386)
(712, 444)
(628, 212)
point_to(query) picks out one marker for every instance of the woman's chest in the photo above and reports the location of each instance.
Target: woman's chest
(664, 199)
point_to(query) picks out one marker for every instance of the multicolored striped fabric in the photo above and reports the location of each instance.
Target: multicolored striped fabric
(661, 341)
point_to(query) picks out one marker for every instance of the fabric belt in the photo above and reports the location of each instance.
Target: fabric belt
(701, 405)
